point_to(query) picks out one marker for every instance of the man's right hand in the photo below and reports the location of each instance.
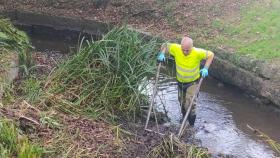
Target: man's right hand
(161, 57)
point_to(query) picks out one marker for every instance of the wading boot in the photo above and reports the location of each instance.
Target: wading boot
(191, 119)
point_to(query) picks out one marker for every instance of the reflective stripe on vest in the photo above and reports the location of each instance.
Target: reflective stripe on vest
(186, 70)
(185, 75)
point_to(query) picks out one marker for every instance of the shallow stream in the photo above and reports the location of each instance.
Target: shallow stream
(223, 113)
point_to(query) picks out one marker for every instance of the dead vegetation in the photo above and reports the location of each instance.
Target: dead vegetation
(274, 145)
(61, 134)
(171, 146)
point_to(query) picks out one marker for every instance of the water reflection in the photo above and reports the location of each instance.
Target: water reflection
(219, 125)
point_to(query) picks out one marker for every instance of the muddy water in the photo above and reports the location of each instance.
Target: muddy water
(223, 113)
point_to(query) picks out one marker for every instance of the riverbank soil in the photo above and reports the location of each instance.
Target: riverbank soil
(239, 26)
(167, 18)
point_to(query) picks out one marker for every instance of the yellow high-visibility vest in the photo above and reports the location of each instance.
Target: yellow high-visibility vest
(187, 67)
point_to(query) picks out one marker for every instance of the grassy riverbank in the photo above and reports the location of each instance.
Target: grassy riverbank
(255, 31)
(14, 44)
(245, 27)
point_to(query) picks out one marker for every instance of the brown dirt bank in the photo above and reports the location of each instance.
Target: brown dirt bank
(76, 136)
(79, 136)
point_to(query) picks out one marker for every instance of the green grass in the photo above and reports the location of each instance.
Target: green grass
(257, 33)
(31, 89)
(14, 145)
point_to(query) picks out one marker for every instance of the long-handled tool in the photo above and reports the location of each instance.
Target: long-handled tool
(182, 128)
(151, 107)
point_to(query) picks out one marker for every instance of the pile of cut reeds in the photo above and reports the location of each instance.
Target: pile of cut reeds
(171, 147)
(103, 78)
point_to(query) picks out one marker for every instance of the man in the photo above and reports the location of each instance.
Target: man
(187, 60)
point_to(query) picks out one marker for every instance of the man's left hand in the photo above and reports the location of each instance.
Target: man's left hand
(204, 72)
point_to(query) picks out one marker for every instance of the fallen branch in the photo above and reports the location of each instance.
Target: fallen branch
(29, 119)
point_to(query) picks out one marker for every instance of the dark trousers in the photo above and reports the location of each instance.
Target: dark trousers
(185, 93)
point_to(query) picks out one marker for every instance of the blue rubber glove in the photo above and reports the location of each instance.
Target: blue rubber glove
(204, 72)
(161, 57)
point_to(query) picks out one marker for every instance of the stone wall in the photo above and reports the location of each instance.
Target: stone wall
(9, 70)
(60, 23)
(258, 77)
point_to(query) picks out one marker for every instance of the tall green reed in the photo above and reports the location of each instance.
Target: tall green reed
(104, 76)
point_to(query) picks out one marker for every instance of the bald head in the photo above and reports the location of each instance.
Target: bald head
(186, 44)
